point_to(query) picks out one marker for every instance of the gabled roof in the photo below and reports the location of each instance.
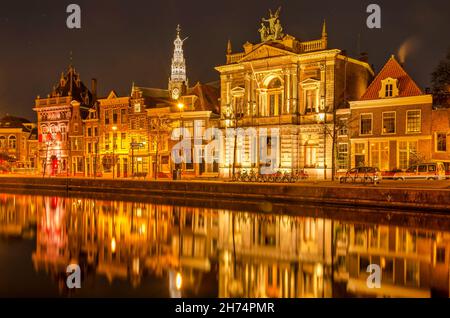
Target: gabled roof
(407, 87)
(70, 84)
(154, 97)
(208, 97)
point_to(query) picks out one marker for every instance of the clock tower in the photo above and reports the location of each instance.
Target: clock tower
(178, 81)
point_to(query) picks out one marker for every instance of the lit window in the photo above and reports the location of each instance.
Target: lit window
(12, 142)
(123, 140)
(407, 153)
(413, 121)
(366, 124)
(389, 123)
(343, 156)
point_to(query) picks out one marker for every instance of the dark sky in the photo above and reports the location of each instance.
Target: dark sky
(123, 41)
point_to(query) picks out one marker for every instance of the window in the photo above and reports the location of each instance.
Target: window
(12, 142)
(123, 116)
(115, 140)
(123, 140)
(360, 154)
(413, 121)
(412, 273)
(89, 147)
(440, 255)
(343, 156)
(389, 90)
(310, 156)
(407, 152)
(441, 142)
(274, 98)
(239, 105)
(389, 123)
(107, 141)
(311, 100)
(274, 104)
(343, 131)
(106, 117)
(115, 116)
(379, 155)
(95, 131)
(366, 124)
(3, 142)
(89, 131)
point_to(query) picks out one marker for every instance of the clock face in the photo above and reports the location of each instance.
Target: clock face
(175, 93)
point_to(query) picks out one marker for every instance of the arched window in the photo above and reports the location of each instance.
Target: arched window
(2, 142)
(12, 142)
(272, 99)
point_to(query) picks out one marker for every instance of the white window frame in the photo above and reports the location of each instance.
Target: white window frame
(395, 122)
(420, 121)
(371, 124)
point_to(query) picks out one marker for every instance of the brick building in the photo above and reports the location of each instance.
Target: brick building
(390, 125)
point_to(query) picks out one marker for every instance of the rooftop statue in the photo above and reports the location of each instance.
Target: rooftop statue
(274, 30)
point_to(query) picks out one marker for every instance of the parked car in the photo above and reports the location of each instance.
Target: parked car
(389, 175)
(361, 174)
(423, 171)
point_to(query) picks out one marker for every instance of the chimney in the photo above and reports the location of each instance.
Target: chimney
(94, 89)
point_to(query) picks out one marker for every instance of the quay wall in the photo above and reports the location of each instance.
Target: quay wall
(302, 193)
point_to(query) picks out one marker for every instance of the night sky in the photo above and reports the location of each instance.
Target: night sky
(125, 41)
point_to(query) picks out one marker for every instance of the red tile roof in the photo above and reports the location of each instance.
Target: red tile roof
(407, 87)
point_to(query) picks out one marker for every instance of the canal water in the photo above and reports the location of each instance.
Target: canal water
(140, 248)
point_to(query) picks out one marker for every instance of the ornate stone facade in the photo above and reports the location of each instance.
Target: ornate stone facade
(291, 86)
(60, 127)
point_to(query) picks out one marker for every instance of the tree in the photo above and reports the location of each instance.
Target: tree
(440, 78)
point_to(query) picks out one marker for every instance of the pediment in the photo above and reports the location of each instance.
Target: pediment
(265, 51)
(112, 95)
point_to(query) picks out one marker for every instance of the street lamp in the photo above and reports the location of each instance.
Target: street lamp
(114, 128)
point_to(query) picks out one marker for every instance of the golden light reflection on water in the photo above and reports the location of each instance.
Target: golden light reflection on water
(219, 253)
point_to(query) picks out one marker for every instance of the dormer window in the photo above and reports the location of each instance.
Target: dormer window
(389, 88)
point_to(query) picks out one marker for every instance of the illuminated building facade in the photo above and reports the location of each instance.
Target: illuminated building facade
(390, 125)
(291, 86)
(18, 138)
(60, 127)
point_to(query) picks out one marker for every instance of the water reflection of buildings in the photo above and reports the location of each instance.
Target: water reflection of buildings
(206, 252)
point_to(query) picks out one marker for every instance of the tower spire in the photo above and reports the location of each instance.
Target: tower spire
(324, 29)
(178, 77)
(229, 48)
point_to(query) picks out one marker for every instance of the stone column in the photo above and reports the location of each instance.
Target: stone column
(294, 105)
(247, 94)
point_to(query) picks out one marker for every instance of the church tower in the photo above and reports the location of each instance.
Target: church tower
(178, 81)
